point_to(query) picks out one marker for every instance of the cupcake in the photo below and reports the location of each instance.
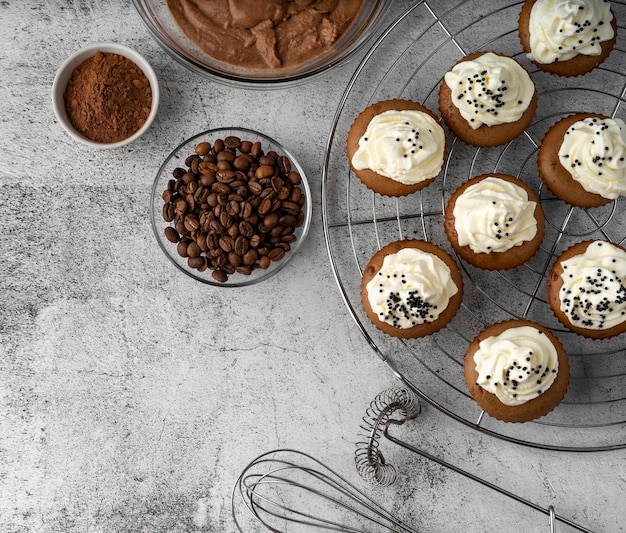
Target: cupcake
(567, 37)
(516, 370)
(587, 289)
(494, 222)
(581, 159)
(396, 147)
(411, 288)
(487, 99)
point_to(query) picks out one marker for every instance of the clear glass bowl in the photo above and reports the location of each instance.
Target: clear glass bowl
(162, 26)
(177, 160)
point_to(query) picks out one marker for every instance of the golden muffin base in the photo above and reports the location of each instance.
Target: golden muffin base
(484, 136)
(578, 65)
(516, 256)
(554, 286)
(372, 180)
(535, 408)
(419, 330)
(556, 177)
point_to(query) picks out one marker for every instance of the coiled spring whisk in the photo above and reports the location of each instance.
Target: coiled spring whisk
(370, 462)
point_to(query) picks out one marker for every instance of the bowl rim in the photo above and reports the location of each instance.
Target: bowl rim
(64, 73)
(374, 21)
(275, 267)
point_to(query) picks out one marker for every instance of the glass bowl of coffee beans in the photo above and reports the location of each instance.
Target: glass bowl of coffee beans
(230, 207)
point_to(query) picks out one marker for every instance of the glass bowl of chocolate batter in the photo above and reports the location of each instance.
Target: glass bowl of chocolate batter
(230, 207)
(262, 43)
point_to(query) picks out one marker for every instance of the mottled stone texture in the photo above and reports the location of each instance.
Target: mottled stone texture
(131, 397)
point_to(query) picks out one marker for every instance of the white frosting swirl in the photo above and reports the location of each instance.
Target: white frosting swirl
(494, 215)
(490, 89)
(412, 287)
(562, 29)
(593, 294)
(406, 146)
(594, 152)
(517, 365)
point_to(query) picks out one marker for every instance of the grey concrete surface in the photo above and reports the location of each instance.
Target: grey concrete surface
(131, 397)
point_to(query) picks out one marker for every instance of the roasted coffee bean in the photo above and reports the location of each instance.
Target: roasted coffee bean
(226, 243)
(284, 164)
(294, 177)
(265, 206)
(242, 244)
(255, 187)
(219, 275)
(255, 150)
(191, 223)
(277, 183)
(235, 259)
(246, 229)
(234, 208)
(284, 193)
(181, 206)
(218, 146)
(179, 225)
(276, 254)
(171, 234)
(196, 262)
(203, 148)
(296, 195)
(217, 227)
(246, 210)
(225, 176)
(206, 167)
(226, 155)
(264, 171)
(212, 241)
(242, 162)
(220, 187)
(276, 231)
(195, 164)
(193, 250)
(207, 178)
(287, 220)
(182, 247)
(250, 257)
(291, 208)
(276, 205)
(232, 142)
(255, 240)
(233, 231)
(270, 220)
(169, 212)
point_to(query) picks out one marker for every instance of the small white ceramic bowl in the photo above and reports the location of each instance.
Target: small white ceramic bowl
(64, 74)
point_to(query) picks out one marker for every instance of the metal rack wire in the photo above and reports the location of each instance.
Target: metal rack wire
(409, 60)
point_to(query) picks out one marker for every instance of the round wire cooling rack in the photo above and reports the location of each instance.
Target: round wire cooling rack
(409, 60)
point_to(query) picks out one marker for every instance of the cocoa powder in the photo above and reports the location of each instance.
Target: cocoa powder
(108, 98)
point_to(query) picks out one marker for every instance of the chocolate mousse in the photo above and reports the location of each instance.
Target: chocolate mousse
(264, 34)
